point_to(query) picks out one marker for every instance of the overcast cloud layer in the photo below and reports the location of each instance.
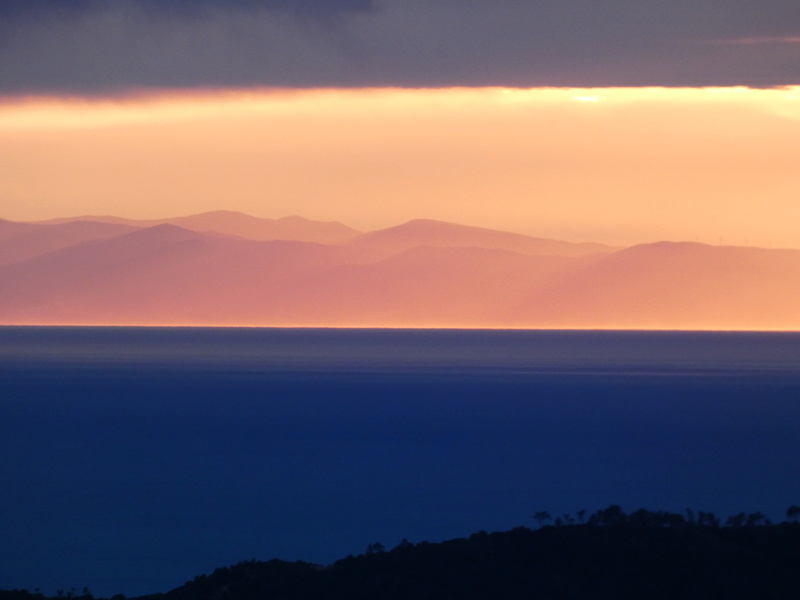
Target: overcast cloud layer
(81, 46)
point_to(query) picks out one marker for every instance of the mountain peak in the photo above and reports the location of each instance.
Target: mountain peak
(424, 273)
(239, 224)
(431, 232)
(163, 232)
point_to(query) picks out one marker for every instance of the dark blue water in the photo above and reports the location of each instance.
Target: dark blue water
(133, 459)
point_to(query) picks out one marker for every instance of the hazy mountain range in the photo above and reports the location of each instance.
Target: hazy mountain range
(227, 268)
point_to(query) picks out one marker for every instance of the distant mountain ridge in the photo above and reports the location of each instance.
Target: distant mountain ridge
(240, 225)
(20, 241)
(428, 232)
(227, 268)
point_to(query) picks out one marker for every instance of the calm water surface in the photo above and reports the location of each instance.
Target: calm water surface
(132, 459)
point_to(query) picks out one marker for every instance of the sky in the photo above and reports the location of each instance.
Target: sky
(617, 122)
(80, 46)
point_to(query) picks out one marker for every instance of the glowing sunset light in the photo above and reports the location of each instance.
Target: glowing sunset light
(282, 278)
(616, 165)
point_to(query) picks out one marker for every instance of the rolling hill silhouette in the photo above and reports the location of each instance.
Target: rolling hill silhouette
(219, 269)
(608, 554)
(20, 241)
(241, 225)
(670, 285)
(428, 232)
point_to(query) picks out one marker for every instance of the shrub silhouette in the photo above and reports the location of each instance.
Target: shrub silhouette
(645, 554)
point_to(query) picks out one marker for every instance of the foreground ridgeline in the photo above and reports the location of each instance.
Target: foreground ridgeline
(609, 554)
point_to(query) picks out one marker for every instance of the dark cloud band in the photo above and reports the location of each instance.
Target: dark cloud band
(113, 45)
(13, 10)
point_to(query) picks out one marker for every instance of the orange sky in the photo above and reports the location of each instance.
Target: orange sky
(610, 165)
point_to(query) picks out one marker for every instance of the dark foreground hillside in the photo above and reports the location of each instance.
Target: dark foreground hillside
(644, 555)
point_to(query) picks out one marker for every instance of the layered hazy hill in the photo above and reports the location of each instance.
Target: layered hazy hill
(439, 234)
(226, 268)
(240, 225)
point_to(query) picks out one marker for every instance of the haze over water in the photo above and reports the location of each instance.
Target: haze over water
(137, 458)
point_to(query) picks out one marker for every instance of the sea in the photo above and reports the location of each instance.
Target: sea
(134, 459)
